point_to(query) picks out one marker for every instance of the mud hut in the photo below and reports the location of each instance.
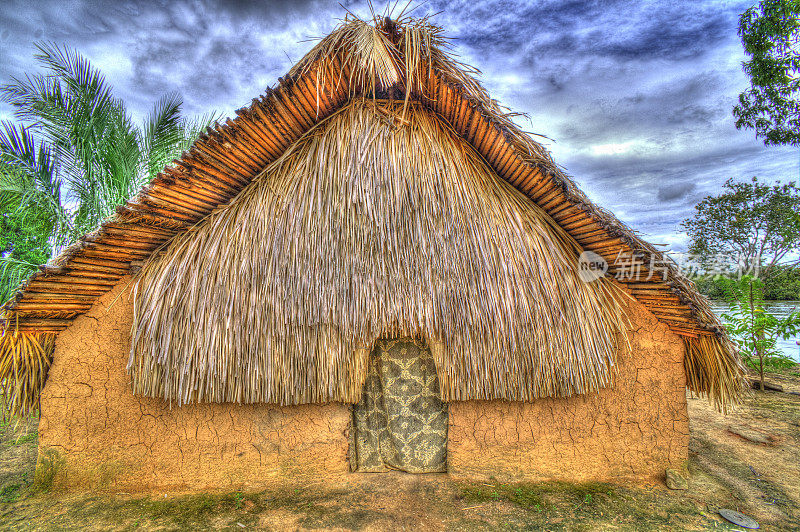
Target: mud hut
(371, 267)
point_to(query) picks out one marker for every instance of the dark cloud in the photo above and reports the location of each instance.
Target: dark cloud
(623, 30)
(665, 36)
(635, 95)
(679, 104)
(263, 10)
(675, 191)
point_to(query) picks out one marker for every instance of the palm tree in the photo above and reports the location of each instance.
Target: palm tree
(30, 206)
(78, 156)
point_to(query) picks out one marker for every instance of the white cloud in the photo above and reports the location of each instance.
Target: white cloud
(612, 149)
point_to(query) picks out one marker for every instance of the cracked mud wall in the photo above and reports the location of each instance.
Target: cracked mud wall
(95, 434)
(633, 431)
(102, 436)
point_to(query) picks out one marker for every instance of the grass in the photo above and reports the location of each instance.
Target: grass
(313, 509)
(12, 492)
(15, 487)
(552, 506)
(579, 506)
(27, 438)
(49, 464)
(471, 505)
(538, 497)
(18, 443)
(184, 511)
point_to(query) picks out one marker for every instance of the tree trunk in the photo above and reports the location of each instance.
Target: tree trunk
(757, 336)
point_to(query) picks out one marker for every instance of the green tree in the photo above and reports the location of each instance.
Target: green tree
(752, 223)
(770, 34)
(91, 157)
(755, 330)
(756, 226)
(783, 283)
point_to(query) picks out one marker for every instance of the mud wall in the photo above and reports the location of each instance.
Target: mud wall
(94, 434)
(633, 431)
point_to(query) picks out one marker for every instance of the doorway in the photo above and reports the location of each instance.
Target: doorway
(401, 421)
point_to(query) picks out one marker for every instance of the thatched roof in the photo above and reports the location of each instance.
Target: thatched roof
(378, 223)
(405, 61)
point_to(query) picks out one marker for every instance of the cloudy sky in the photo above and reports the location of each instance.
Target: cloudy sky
(635, 96)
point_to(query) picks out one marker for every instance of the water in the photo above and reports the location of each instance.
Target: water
(781, 309)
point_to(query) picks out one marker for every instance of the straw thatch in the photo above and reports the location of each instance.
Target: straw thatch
(379, 223)
(24, 364)
(708, 364)
(406, 60)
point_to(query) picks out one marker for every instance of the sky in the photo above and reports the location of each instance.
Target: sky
(633, 98)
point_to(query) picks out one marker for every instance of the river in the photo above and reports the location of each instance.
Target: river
(780, 309)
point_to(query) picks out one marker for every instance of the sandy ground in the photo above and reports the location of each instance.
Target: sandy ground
(748, 460)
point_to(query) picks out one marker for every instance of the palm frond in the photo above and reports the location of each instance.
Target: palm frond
(19, 155)
(89, 131)
(12, 273)
(76, 72)
(163, 132)
(29, 182)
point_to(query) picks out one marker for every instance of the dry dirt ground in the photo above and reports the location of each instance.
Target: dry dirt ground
(748, 460)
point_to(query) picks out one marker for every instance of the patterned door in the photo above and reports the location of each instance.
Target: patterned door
(400, 422)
